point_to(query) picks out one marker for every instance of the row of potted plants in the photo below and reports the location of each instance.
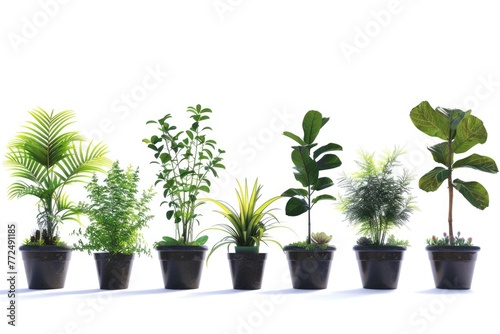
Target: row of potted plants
(46, 157)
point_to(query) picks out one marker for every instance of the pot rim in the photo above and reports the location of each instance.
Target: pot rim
(452, 248)
(249, 256)
(181, 248)
(29, 248)
(290, 248)
(104, 254)
(379, 248)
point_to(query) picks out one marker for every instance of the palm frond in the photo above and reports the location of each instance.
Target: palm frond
(45, 156)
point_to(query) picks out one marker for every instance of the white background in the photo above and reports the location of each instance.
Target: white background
(259, 65)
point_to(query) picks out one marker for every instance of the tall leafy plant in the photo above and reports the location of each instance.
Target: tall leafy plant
(459, 131)
(45, 158)
(186, 160)
(118, 212)
(309, 161)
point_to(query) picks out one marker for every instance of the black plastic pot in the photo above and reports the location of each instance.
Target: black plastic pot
(247, 270)
(113, 271)
(46, 266)
(182, 266)
(453, 266)
(309, 269)
(379, 266)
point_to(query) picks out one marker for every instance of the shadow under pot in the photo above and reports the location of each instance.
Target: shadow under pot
(309, 269)
(46, 266)
(453, 266)
(113, 270)
(181, 266)
(379, 266)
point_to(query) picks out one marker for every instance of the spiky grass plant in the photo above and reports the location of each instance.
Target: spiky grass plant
(249, 223)
(377, 199)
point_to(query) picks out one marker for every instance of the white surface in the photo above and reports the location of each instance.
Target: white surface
(260, 65)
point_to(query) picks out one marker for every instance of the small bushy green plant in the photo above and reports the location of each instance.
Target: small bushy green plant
(117, 211)
(377, 199)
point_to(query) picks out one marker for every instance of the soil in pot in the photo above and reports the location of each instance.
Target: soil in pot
(453, 266)
(182, 266)
(113, 271)
(379, 266)
(309, 269)
(46, 266)
(247, 270)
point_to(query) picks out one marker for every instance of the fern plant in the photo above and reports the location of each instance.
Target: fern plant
(117, 212)
(377, 199)
(46, 157)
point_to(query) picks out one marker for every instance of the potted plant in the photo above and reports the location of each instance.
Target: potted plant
(117, 214)
(378, 199)
(310, 260)
(248, 226)
(186, 159)
(452, 257)
(45, 158)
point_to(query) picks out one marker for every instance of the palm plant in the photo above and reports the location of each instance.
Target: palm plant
(44, 159)
(249, 224)
(376, 199)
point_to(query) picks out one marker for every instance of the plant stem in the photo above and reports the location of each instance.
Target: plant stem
(450, 188)
(309, 215)
(450, 206)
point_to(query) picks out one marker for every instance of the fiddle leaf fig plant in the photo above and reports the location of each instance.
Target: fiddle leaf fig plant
(309, 161)
(186, 160)
(459, 131)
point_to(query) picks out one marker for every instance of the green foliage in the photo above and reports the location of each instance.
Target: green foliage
(393, 241)
(309, 246)
(44, 158)
(249, 224)
(377, 199)
(309, 160)
(186, 160)
(321, 238)
(169, 241)
(117, 213)
(40, 241)
(460, 131)
(446, 240)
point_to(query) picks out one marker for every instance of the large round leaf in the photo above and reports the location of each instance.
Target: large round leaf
(474, 192)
